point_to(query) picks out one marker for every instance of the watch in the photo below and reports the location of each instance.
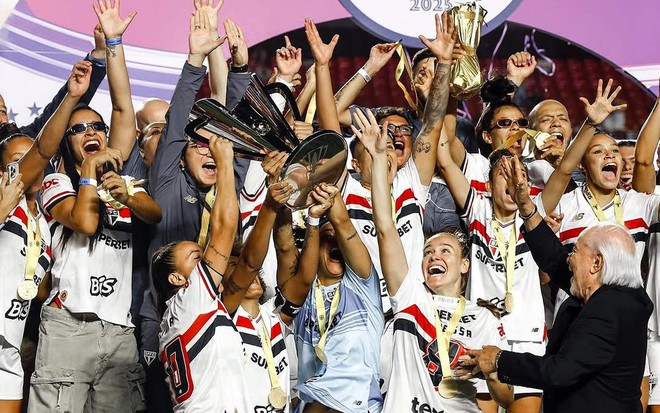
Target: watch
(238, 69)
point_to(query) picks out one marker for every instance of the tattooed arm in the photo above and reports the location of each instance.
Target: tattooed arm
(426, 146)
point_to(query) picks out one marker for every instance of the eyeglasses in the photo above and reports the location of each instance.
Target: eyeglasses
(98, 126)
(507, 123)
(199, 149)
(405, 130)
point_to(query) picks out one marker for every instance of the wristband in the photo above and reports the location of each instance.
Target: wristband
(238, 69)
(497, 360)
(531, 214)
(113, 42)
(312, 221)
(88, 181)
(364, 74)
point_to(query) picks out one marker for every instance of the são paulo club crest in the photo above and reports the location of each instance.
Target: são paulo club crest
(432, 361)
(406, 19)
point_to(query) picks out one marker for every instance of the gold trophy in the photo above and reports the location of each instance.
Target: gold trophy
(466, 76)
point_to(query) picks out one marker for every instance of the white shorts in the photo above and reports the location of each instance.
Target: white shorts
(11, 372)
(653, 370)
(533, 347)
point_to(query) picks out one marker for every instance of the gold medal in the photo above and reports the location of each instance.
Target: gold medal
(448, 388)
(277, 398)
(508, 302)
(27, 290)
(320, 354)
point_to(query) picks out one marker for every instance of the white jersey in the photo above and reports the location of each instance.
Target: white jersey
(97, 282)
(13, 237)
(409, 198)
(640, 211)
(475, 168)
(487, 279)
(416, 369)
(250, 200)
(202, 351)
(256, 368)
(538, 172)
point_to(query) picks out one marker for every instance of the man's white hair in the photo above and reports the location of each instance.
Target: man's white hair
(616, 246)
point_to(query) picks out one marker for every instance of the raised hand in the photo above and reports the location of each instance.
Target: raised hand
(598, 111)
(278, 194)
(99, 43)
(202, 40)
(79, 79)
(112, 24)
(288, 60)
(445, 37)
(517, 185)
(222, 151)
(520, 66)
(272, 165)
(379, 55)
(237, 45)
(207, 8)
(310, 76)
(322, 52)
(373, 137)
(324, 197)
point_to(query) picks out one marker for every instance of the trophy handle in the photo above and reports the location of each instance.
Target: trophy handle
(282, 89)
(191, 131)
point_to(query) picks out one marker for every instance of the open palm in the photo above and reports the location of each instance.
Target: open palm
(322, 52)
(602, 106)
(112, 24)
(445, 34)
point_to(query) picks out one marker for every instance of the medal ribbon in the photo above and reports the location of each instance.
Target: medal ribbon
(268, 353)
(323, 322)
(33, 246)
(404, 65)
(508, 253)
(443, 338)
(618, 209)
(206, 217)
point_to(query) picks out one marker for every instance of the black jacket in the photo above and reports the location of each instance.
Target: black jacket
(595, 363)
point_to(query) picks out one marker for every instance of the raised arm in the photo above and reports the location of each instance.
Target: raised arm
(520, 66)
(218, 69)
(351, 246)
(426, 145)
(325, 101)
(647, 143)
(390, 248)
(224, 214)
(296, 288)
(305, 96)
(379, 55)
(597, 112)
(458, 185)
(122, 120)
(47, 143)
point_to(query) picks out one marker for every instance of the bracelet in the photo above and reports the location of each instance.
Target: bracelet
(113, 42)
(238, 69)
(531, 214)
(312, 221)
(364, 75)
(592, 124)
(88, 181)
(497, 359)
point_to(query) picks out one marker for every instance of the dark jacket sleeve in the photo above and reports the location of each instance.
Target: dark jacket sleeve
(236, 85)
(590, 347)
(173, 139)
(98, 74)
(549, 254)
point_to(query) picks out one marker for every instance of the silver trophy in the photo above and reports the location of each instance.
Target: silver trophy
(256, 126)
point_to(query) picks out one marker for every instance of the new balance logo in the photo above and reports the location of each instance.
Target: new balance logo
(102, 286)
(18, 310)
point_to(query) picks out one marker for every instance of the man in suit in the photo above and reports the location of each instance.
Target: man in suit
(596, 362)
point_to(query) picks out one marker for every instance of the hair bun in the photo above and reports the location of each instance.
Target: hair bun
(497, 89)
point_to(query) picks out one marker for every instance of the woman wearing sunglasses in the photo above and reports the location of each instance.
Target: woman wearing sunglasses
(91, 207)
(25, 248)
